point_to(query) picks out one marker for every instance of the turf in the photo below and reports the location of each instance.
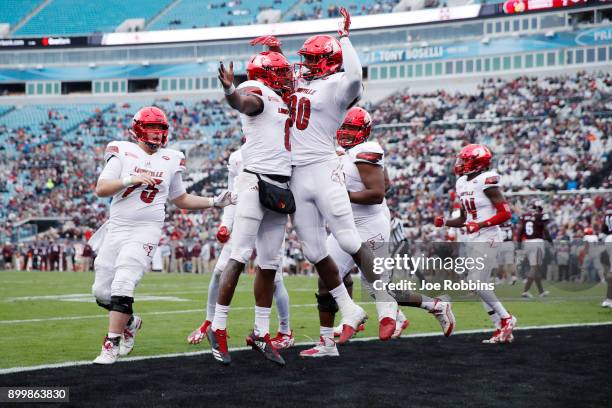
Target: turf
(72, 331)
(545, 368)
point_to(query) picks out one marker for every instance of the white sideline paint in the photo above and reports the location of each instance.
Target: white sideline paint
(12, 370)
(104, 316)
(88, 298)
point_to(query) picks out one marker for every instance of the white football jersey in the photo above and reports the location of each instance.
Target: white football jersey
(265, 149)
(318, 113)
(369, 152)
(476, 205)
(140, 203)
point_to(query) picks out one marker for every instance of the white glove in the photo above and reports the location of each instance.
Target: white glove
(224, 199)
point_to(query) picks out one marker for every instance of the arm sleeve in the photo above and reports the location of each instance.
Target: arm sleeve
(350, 88)
(112, 169)
(177, 188)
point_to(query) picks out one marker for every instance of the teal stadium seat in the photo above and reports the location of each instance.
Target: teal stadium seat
(72, 17)
(12, 11)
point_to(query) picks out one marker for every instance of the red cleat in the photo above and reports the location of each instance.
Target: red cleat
(386, 328)
(218, 343)
(198, 334)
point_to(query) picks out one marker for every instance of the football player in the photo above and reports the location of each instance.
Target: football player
(141, 177)
(533, 231)
(363, 170)
(284, 337)
(329, 83)
(267, 161)
(483, 210)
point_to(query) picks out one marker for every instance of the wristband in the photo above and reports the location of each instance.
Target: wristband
(211, 201)
(127, 181)
(230, 90)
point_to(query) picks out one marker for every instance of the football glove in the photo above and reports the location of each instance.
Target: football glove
(224, 199)
(268, 40)
(223, 234)
(472, 227)
(343, 27)
(439, 221)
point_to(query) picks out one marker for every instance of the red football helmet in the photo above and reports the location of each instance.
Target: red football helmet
(473, 158)
(321, 56)
(355, 128)
(150, 126)
(272, 69)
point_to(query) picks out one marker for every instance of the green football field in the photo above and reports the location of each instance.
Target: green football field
(50, 317)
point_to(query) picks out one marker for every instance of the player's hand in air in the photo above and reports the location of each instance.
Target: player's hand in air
(226, 75)
(267, 40)
(439, 221)
(223, 234)
(343, 27)
(224, 199)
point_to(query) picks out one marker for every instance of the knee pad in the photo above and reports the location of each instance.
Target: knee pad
(103, 304)
(241, 255)
(349, 240)
(122, 304)
(326, 303)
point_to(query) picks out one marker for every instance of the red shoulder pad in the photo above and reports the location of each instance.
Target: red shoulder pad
(251, 90)
(492, 180)
(370, 157)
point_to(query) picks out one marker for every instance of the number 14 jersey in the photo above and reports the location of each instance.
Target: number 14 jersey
(474, 202)
(142, 203)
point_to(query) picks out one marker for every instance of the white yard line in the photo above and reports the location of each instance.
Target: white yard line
(201, 352)
(103, 316)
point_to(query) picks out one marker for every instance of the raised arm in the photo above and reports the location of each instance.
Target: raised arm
(351, 88)
(243, 101)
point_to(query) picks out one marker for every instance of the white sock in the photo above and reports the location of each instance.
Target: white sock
(326, 332)
(342, 297)
(492, 315)
(282, 307)
(262, 321)
(213, 291)
(112, 335)
(400, 317)
(220, 320)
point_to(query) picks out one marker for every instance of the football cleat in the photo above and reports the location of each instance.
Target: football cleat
(527, 295)
(129, 336)
(544, 294)
(218, 344)
(283, 341)
(386, 328)
(351, 322)
(496, 339)
(399, 328)
(325, 348)
(110, 351)
(265, 347)
(607, 303)
(507, 326)
(338, 329)
(444, 314)
(198, 334)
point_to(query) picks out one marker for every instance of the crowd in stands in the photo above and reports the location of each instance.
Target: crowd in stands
(547, 134)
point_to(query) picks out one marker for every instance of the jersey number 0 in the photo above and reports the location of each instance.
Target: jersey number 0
(299, 114)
